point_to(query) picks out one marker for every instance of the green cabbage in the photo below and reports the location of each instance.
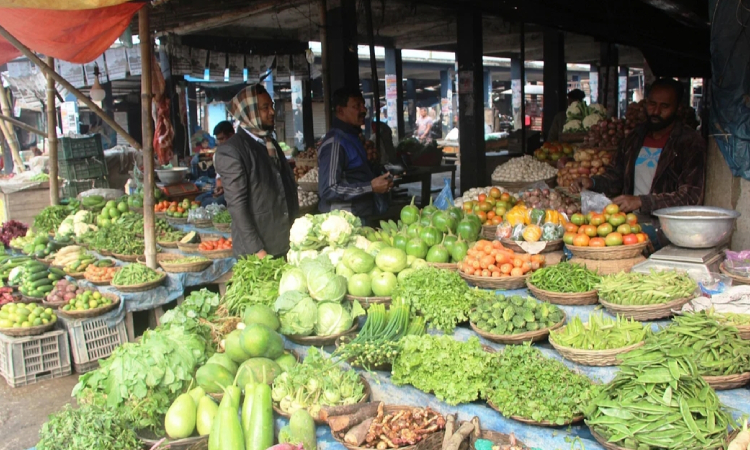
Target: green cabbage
(293, 280)
(336, 318)
(297, 313)
(324, 285)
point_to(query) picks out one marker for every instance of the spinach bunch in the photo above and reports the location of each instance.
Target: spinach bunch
(86, 428)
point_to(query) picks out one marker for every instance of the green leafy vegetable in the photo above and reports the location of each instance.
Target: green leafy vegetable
(254, 281)
(565, 277)
(50, 218)
(297, 313)
(85, 428)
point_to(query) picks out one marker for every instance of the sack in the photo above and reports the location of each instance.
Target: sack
(444, 199)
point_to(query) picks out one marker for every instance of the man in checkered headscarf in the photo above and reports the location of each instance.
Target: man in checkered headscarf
(259, 185)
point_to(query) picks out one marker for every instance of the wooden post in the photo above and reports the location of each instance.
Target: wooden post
(23, 126)
(374, 74)
(147, 130)
(69, 87)
(324, 61)
(54, 190)
(7, 129)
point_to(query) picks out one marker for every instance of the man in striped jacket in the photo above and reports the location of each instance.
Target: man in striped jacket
(345, 179)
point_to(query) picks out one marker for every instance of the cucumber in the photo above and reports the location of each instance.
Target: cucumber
(42, 282)
(45, 289)
(54, 277)
(36, 276)
(57, 271)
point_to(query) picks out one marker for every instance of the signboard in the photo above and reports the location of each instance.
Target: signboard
(217, 62)
(236, 67)
(89, 67)
(69, 112)
(391, 100)
(198, 59)
(180, 61)
(73, 73)
(297, 112)
(117, 63)
(134, 59)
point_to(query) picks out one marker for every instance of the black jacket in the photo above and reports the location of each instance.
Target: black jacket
(261, 196)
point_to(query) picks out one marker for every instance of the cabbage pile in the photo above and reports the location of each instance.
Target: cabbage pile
(310, 300)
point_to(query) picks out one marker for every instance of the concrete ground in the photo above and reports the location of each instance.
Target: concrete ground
(23, 410)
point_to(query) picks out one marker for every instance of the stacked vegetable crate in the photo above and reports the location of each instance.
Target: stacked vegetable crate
(31, 359)
(82, 165)
(93, 339)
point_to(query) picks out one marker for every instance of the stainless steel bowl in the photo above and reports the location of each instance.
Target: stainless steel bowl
(697, 226)
(172, 176)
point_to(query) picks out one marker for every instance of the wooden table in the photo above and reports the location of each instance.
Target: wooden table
(424, 175)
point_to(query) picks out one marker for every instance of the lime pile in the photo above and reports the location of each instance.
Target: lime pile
(20, 315)
(87, 300)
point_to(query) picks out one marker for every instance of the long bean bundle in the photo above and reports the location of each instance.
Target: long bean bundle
(565, 277)
(646, 288)
(600, 333)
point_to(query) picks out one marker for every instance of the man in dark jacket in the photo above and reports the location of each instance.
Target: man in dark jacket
(259, 185)
(662, 163)
(345, 179)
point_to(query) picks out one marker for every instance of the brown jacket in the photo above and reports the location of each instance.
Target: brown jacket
(680, 174)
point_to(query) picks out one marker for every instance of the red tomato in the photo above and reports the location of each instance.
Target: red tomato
(630, 239)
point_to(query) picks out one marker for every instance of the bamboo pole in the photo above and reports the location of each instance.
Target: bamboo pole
(69, 87)
(23, 126)
(147, 128)
(324, 60)
(54, 189)
(10, 135)
(374, 72)
(234, 16)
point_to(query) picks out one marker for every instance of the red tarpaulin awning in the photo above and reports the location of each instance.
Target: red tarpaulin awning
(74, 36)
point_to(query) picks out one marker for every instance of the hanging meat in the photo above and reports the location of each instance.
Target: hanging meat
(163, 132)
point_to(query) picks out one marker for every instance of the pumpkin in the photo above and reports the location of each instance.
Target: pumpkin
(532, 233)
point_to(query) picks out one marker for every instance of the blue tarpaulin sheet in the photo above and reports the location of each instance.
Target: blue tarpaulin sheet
(730, 83)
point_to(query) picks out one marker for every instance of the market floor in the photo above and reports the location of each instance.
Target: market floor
(23, 410)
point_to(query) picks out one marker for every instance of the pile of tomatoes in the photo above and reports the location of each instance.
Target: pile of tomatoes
(221, 244)
(610, 228)
(490, 208)
(176, 209)
(491, 259)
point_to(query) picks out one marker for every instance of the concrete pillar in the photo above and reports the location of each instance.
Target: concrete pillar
(622, 97)
(609, 78)
(341, 39)
(555, 77)
(470, 93)
(411, 105)
(394, 92)
(516, 86)
(370, 104)
(446, 100)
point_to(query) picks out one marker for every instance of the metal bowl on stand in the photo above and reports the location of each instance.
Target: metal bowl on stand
(172, 176)
(697, 226)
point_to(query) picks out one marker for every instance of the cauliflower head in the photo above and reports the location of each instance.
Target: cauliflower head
(362, 243)
(572, 126)
(300, 230)
(574, 110)
(591, 119)
(596, 108)
(336, 229)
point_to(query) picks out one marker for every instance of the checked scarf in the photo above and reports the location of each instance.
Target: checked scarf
(244, 107)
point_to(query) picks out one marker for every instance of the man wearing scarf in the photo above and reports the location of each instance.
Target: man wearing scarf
(259, 185)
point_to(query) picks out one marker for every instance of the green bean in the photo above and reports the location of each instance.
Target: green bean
(646, 289)
(565, 277)
(134, 274)
(600, 333)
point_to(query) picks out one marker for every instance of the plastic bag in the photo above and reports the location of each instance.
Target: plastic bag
(593, 201)
(504, 230)
(517, 233)
(444, 199)
(738, 263)
(551, 232)
(108, 194)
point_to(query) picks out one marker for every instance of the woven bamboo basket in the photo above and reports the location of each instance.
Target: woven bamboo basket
(168, 244)
(608, 267)
(321, 341)
(177, 220)
(502, 440)
(345, 339)
(529, 336)
(387, 409)
(645, 312)
(489, 232)
(573, 137)
(543, 423)
(29, 331)
(365, 302)
(47, 262)
(515, 186)
(26, 299)
(552, 246)
(208, 237)
(744, 331)
(308, 186)
(142, 287)
(726, 382)
(562, 298)
(598, 358)
(608, 253)
(603, 441)
(92, 312)
(191, 443)
(217, 254)
(736, 279)
(365, 398)
(127, 258)
(197, 266)
(187, 248)
(506, 283)
(105, 253)
(203, 223)
(446, 266)
(160, 215)
(96, 283)
(223, 227)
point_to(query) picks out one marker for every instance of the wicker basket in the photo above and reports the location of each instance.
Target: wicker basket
(529, 336)
(191, 443)
(142, 287)
(217, 254)
(29, 331)
(736, 279)
(308, 186)
(47, 262)
(223, 227)
(489, 232)
(365, 302)
(608, 267)
(127, 258)
(187, 248)
(168, 244)
(603, 441)
(516, 186)
(387, 409)
(726, 382)
(506, 283)
(92, 312)
(164, 261)
(26, 299)
(96, 283)
(445, 266)
(744, 331)
(645, 312)
(203, 223)
(552, 246)
(177, 221)
(543, 423)
(106, 253)
(573, 137)
(210, 237)
(160, 215)
(608, 253)
(562, 298)
(598, 358)
(321, 341)
(365, 398)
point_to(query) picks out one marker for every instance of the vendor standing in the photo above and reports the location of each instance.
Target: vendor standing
(662, 163)
(555, 130)
(345, 179)
(259, 185)
(222, 132)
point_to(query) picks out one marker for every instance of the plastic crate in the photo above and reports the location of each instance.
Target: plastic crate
(32, 359)
(77, 148)
(92, 340)
(83, 169)
(72, 188)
